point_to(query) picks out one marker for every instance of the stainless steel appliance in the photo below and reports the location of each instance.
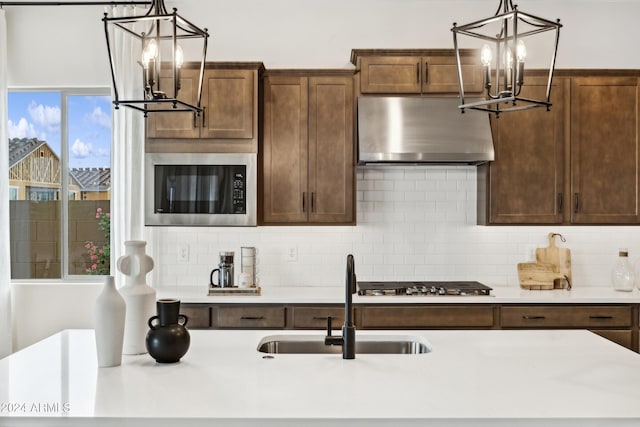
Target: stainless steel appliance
(435, 288)
(214, 189)
(225, 271)
(417, 130)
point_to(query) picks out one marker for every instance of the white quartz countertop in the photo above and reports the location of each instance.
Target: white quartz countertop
(335, 295)
(471, 378)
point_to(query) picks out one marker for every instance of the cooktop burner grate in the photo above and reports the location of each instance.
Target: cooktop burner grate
(461, 288)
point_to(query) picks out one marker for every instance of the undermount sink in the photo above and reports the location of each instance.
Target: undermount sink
(365, 344)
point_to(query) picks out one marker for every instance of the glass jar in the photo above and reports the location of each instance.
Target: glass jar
(623, 276)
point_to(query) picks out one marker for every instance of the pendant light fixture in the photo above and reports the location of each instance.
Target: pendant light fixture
(505, 38)
(161, 36)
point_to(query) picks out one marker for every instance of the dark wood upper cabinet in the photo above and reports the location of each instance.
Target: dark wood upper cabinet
(228, 97)
(307, 155)
(285, 150)
(525, 183)
(416, 71)
(331, 150)
(229, 121)
(604, 150)
(577, 164)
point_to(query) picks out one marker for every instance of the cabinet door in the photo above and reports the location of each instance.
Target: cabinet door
(331, 150)
(390, 74)
(440, 75)
(228, 103)
(526, 180)
(177, 125)
(604, 150)
(285, 183)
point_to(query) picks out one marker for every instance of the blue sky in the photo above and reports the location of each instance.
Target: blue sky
(38, 115)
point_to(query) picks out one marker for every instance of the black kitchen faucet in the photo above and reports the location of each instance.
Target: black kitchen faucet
(348, 338)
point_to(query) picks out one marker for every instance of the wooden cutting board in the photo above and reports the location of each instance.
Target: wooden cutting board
(558, 257)
(538, 276)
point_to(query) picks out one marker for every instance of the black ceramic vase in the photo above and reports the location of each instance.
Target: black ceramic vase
(168, 340)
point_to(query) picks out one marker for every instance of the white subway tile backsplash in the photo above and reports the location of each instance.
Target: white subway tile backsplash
(413, 223)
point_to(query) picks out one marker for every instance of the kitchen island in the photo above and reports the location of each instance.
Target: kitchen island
(470, 378)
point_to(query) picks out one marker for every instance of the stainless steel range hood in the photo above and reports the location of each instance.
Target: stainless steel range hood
(413, 130)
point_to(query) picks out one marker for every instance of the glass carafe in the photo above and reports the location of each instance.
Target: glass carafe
(623, 276)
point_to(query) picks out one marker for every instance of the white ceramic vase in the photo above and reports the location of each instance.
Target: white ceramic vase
(138, 295)
(109, 325)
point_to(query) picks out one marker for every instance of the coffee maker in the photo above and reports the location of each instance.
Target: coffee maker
(225, 271)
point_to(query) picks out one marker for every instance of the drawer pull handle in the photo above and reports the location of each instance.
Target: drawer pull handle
(600, 317)
(533, 317)
(560, 201)
(252, 318)
(320, 317)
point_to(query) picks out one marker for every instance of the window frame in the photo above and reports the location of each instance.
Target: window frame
(65, 93)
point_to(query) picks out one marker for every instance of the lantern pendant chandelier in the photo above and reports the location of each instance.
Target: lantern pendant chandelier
(503, 56)
(160, 34)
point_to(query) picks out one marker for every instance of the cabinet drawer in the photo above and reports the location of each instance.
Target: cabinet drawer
(437, 316)
(251, 317)
(566, 317)
(199, 315)
(316, 317)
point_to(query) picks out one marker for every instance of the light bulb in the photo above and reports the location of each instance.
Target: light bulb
(150, 52)
(508, 59)
(486, 55)
(521, 51)
(179, 57)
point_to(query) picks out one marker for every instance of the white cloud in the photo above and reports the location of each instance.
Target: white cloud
(22, 129)
(103, 153)
(44, 115)
(80, 150)
(99, 117)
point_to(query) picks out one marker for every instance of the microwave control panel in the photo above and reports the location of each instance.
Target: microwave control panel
(239, 201)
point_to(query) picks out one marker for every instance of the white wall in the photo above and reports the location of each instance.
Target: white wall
(412, 223)
(65, 46)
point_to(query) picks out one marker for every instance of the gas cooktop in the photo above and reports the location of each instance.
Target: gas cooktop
(423, 288)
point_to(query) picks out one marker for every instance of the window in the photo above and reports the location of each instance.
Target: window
(13, 193)
(59, 143)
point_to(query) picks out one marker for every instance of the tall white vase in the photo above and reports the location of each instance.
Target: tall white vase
(138, 295)
(109, 325)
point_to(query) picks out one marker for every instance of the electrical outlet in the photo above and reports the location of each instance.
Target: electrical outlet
(292, 253)
(183, 253)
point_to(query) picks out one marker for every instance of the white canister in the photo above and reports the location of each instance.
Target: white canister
(245, 280)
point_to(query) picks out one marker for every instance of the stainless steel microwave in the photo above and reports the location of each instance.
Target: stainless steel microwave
(210, 189)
